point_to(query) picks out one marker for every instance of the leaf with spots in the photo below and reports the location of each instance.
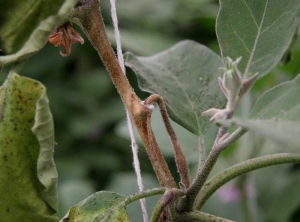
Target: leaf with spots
(276, 114)
(28, 175)
(258, 30)
(103, 206)
(186, 77)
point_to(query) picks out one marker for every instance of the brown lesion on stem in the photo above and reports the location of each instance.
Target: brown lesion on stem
(88, 16)
(180, 159)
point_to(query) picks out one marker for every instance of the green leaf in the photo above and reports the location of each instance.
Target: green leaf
(28, 175)
(27, 26)
(72, 191)
(20, 19)
(101, 206)
(258, 30)
(281, 102)
(129, 186)
(186, 77)
(43, 129)
(144, 43)
(276, 114)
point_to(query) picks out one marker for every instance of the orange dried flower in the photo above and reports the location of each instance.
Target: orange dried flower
(64, 36)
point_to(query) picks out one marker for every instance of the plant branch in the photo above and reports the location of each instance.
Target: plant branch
(167, 198)
(180, 159)
(244, 167)
(202, 175)
(200, 216)
(134, 146)
(157, 155)
(87, 15)
(202, 153)
(144, 194)
(89, 18)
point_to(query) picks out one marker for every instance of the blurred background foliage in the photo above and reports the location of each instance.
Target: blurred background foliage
(93, 149)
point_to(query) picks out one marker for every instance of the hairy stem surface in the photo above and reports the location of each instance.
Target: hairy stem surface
(180, 159)
(200, 216)
(244, 167)
(202, 175)
(87, 15)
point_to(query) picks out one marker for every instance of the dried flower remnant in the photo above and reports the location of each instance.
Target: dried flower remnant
(65, 35)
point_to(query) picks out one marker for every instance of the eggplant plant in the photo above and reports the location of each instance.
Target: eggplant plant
(188, 83)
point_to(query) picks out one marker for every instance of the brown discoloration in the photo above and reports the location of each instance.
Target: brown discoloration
(180, 159)
(64, 36)
(87, 15)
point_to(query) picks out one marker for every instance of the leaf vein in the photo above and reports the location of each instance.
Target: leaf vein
(240, 39)
(250, 13)
(276, 101)
(188, 99)
(256, 40)
(269, 54)
(276, 20)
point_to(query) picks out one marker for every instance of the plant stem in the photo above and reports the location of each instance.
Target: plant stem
(200, 216)
(180, 159)
(138, 196)
(167, 198)
(156, 154)
(244, 167)
(206, 169)
(87, 15)
(202, 153)
(144, 194)
(134, 146)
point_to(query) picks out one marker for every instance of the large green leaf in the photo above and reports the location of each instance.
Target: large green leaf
(26, 26)
(258, 30)
(276, 114)
(186, 77)
(28, 176)
(102, 206)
